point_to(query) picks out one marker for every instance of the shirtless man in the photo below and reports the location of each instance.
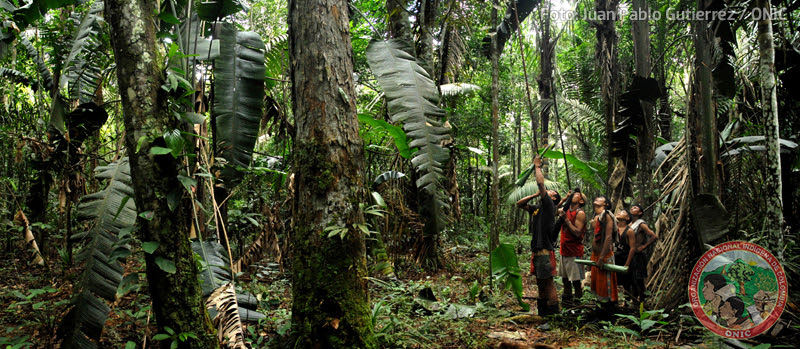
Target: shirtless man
(603, 283)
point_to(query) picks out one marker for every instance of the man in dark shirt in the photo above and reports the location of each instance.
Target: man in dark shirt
(542, 220)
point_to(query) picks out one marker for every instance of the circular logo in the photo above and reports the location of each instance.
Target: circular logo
(738, 289)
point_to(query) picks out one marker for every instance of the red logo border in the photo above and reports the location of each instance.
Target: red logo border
(694, 283)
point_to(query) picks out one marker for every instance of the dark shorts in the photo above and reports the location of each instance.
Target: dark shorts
(544, 265)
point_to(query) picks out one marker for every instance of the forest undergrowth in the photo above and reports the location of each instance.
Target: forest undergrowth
(455, 307)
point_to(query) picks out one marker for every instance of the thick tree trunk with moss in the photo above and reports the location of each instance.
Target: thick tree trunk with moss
(330, 307)
(773, 184)
(176, 294)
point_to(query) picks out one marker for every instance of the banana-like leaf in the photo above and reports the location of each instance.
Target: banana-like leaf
(506, 270)
(227, 321)
(195, 43)
(459, 88)
(31, 11)
(589, 172)
(239, 94)
(397, 133)
(110, 212)
(530, 188)
(213, 10)
(86, 30)
(413, 100)
(217, 272)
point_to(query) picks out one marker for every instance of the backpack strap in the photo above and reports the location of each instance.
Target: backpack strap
(603, 216)
(636, 225)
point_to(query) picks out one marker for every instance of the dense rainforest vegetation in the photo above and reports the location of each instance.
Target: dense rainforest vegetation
(343, 174)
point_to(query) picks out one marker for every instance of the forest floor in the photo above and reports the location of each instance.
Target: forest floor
(452, 308)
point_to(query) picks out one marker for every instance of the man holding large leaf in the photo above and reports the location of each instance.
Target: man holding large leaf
(542, 220)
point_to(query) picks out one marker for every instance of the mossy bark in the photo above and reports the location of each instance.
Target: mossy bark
(177, 300)
(773, 184)
(330, 308)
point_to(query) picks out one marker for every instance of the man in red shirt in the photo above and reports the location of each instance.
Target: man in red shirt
(571, 246)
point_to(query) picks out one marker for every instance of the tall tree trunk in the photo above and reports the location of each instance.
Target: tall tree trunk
(426, 15)
(494, 238)
(706, 113)
(606, 56)
(176, 296)
(330, 307)
(710, 217)
(645, 138)
(545, 80)
(398, 24)
(773, 185)
(664, 114)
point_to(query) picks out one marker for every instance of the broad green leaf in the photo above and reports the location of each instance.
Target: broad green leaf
(166, 265)
(239, 91)
(82, 70)
(168, 17)
(187, 182)
(175, 142)
(148, 215)
(587, 171)
(58, 115)
(413, 99)
(505, 268)
(150, 246)
(194, 118)
(213, 10)
(160, 150)
(397, 133)
(378, 199)
(122, 206)
(110, 214)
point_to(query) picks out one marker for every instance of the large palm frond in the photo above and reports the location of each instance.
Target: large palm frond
(110, 212)
(413, 100)
(238, 97)
(216, 272)
(81, 72)
(277, 58)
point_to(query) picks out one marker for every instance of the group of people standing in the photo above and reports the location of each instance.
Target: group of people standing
(617, 239)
